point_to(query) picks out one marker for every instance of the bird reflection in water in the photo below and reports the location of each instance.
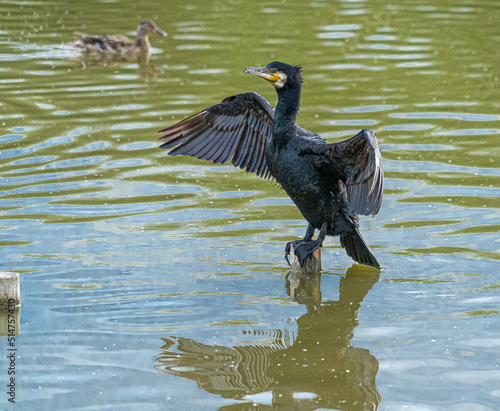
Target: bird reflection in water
(319, 361)
(145, 68)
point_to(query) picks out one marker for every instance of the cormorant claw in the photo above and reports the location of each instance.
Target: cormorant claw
(302, 248)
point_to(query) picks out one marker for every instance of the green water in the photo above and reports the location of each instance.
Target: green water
(154, 282)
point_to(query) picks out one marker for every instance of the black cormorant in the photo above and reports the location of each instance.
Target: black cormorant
(329, 183)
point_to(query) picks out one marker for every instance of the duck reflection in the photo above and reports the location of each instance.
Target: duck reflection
(145, 68)
(319, 368)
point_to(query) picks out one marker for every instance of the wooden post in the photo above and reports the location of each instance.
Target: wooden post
(10, 292)
(311, 265)
(10, 302)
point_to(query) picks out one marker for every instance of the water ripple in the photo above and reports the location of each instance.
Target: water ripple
(123, 249)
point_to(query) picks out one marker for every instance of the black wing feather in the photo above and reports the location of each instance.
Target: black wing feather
(358, 163)
(365, 175)
(238, 129)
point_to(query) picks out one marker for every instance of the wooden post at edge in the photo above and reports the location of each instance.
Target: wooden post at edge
(10, 292)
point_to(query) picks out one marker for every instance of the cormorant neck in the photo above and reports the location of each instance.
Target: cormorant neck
(286, 113)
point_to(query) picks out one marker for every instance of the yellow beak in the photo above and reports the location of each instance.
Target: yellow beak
(262, 72)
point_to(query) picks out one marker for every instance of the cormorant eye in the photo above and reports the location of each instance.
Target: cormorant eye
(274, 70)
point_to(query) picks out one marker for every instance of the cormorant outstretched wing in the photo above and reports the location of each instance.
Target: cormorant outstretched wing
(238, 129)
(358, 163)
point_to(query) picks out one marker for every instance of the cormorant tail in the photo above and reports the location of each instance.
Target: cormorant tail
(357, 249)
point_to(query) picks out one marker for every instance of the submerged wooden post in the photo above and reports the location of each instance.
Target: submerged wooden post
(311, 265)
(304, 287)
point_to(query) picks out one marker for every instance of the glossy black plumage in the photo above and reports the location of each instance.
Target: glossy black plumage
(237, 129)
(330, 183)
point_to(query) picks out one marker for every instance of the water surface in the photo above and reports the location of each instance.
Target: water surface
(158, 282)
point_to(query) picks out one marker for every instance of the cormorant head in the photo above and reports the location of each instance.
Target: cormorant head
(281, 75)
(149, 27)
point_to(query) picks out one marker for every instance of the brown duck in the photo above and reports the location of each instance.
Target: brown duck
(118, 44)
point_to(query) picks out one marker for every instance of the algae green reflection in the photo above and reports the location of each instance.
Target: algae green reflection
(319, 360)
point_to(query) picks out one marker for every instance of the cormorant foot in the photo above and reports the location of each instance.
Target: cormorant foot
(302, 248)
